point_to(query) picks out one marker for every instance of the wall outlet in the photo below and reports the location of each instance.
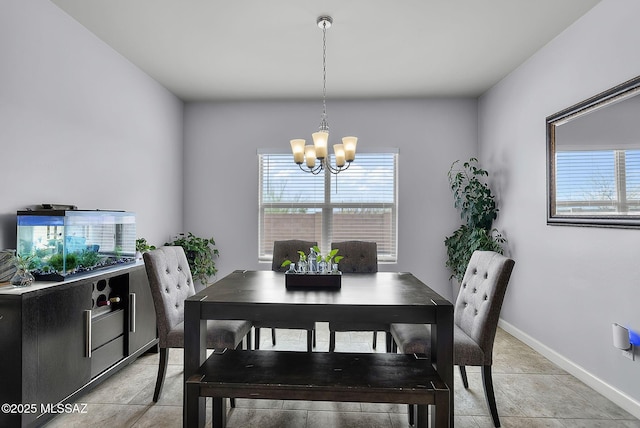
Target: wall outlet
(629, 353)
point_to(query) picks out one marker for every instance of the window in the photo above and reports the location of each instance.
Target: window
(598, 182)
(360, 203)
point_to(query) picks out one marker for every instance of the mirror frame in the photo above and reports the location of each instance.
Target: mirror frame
(623, 91)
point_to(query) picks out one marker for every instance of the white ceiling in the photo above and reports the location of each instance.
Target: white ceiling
(258, 49)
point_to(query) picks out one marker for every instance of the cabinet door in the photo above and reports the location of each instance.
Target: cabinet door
(14, 388)
(63, 361)
(142, 313)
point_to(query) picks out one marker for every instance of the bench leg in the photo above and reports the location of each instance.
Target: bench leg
(219, 412)
(193, 417)
(422, 416)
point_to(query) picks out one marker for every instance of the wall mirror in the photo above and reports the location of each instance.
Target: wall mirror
(593, 160)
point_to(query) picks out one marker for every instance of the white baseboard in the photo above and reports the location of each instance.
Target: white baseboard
(618, 397)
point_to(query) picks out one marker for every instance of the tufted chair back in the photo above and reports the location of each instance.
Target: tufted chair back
(288, 250)
(482, 291)
(171, 283)
(359, 256)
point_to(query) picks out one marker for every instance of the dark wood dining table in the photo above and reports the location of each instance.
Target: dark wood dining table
(383, 297)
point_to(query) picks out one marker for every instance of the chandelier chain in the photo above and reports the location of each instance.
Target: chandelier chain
(324, 125)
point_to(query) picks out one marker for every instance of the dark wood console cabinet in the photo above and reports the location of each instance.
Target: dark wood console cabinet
(58, 341)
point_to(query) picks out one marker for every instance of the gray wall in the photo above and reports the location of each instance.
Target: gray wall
(221, 174)
(569, 283)
(81, 125)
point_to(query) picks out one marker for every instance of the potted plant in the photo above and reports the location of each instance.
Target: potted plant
(302, 261)
(201, 253)
(328, 260)
(142, 247)
(473, 198)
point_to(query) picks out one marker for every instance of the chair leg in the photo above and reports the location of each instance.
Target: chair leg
(332, 341)
(411, 410)
(375, 339)
(162, 370)
(389, 341)
(273, 336)
(487, 380)
(309, 340)
(246, 342)
(463, 375)
(314, 337)
(257, 339)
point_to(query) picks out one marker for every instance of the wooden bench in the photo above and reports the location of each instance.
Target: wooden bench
(319, 376)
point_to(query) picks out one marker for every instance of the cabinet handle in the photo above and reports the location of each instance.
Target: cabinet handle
(87, 338)
(132, 312)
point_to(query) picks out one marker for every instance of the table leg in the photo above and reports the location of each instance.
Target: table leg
(442, 344)
(195, 352)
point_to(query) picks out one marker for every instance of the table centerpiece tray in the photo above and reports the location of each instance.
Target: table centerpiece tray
(301, 281)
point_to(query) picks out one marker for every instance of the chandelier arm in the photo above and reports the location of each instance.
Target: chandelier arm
(315, 170)
(337, 169)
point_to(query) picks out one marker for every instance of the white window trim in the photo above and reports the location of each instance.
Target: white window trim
(328, 206)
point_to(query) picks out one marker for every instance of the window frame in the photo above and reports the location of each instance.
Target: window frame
(610, 111)
(326, 207)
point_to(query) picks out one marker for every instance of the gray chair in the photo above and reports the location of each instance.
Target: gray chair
(287, 250)
(359, 257)
(476, 314)
(171, 284)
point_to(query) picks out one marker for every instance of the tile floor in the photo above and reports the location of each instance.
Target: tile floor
(530, 392)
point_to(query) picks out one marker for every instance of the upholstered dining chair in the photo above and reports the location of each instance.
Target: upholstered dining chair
(475, 316)
(358, 257)
(171, 284)
(287, 250)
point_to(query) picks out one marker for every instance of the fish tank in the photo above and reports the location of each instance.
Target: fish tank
(61, 243)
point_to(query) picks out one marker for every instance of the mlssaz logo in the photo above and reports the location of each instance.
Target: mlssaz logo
(63, 408)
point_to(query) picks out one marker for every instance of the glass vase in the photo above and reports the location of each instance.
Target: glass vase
(22, 278)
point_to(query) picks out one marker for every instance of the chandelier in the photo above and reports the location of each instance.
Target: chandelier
(315, 156)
